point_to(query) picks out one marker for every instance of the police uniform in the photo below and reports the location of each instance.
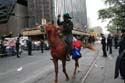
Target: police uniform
(103, 42)
(120, 63)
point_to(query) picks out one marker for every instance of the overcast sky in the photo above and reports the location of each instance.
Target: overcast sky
(92, 12)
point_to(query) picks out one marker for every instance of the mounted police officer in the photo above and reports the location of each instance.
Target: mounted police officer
(120, 63)
(67, 27)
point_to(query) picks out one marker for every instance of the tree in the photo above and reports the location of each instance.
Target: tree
(112, 28)
(115, 12)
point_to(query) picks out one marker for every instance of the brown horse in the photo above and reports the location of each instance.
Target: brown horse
(58, 50)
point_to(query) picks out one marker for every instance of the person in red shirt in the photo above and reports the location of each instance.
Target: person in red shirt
(76, 47)
(76, 43)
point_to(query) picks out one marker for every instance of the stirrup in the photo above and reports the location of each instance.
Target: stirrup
(68, 58)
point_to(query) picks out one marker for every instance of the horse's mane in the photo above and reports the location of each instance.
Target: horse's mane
(54, 35)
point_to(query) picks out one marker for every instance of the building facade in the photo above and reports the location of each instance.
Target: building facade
(19, 21)
(40, 9)
(18, 14)
(29, 13)
(3, 17)
(76, 9)
(12, 17)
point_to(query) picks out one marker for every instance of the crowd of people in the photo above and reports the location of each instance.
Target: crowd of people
(109, 42)
(118, 41)
(10, 46)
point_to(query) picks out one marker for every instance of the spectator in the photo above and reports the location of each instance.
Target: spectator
(17, 47)
(116, 38)
(103, 42)
(41, 45)
(29, 45)
(109, 43)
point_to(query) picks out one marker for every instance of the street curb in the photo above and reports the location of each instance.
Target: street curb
(90, 68)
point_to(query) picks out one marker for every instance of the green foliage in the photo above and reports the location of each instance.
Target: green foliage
(106, 13)
(115, 12)
(113, 2)
(112, 28)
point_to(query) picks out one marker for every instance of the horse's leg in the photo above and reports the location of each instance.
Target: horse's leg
(64, 69)
(55, 61)
(76, 65)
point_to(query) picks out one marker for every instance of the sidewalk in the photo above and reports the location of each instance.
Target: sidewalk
(103, 72)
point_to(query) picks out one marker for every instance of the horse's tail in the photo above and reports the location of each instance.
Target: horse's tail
(89, 46)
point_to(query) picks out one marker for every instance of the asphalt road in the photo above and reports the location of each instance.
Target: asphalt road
(19, 70)
(39, 68)
(84, 62)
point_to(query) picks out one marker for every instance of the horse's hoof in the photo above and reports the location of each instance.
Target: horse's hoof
(67, 79)
(55, 81)
(79, 71)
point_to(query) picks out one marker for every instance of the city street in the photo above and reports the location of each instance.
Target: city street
(29, 27)
(19, 70)
(39, 68)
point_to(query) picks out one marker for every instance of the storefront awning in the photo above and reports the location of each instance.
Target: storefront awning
(37, 31)
(32, 32)
(75, 32)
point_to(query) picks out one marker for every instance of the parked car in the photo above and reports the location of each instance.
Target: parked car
(46, 45)
(23, 42)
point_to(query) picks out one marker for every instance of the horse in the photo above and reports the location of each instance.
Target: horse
(58, 50)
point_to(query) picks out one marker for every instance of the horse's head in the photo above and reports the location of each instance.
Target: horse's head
(50, 27)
